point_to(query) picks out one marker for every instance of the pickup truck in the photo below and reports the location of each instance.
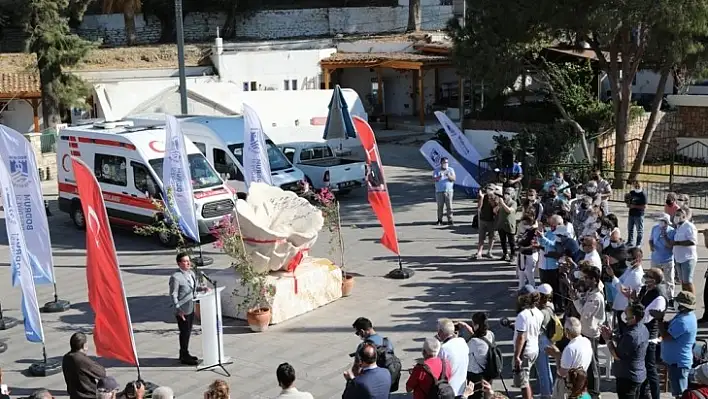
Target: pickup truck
(323, 169)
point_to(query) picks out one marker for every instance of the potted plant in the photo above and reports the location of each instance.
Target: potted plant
(255, 290)
(166, 228)
(328, 204)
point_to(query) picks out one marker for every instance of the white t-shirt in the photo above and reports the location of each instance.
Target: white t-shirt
(456, 352)
(478, 353)
(578, 353)
(685, 232)
(529, 321)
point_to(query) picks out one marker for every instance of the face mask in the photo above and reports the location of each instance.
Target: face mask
(663, 224)
(577, 274)
(546, 229)
(678, 220)
(507, 196)
(604, 232)
(558, 180)
(615, 244)
(637, 190)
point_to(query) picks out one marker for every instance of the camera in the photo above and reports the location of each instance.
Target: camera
(506, 322)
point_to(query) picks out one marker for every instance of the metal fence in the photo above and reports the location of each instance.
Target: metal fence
(681, 170)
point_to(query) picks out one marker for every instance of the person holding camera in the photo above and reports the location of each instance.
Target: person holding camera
(528, 250)
(527, 328)
(576, 356)
(590, 304)
(506, 224)
(627, 285)
(481, 337)
(486, 203)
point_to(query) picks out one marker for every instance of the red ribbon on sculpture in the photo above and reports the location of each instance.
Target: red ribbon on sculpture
(294, 263)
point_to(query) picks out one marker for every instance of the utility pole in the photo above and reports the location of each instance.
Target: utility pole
(179, 25)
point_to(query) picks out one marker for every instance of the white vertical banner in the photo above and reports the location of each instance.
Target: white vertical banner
(459, 141)
(21, 174)
(20, 259)
(256, 165)
(177, 180)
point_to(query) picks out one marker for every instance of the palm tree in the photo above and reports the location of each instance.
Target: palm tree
(128, 8)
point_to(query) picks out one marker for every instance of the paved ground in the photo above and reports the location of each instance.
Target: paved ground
(446, 284)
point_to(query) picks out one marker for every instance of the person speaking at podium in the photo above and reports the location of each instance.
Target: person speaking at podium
(183, 289)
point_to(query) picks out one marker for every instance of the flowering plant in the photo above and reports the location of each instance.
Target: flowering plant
(257, 291)
(327, 203)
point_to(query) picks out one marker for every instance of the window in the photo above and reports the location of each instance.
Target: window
(293, 84)
(312, 153)
(201, 146)
(203, 175)
(289, 153)
(277, 160)
(254, 86)
(142, 179)
(286, 84)
(223, 165)
(245, 86)
(110, 169)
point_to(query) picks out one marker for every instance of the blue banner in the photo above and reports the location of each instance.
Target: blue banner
(22, 174)
(20, 261)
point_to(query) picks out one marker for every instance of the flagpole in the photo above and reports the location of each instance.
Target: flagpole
(46, 367)
(202, 260)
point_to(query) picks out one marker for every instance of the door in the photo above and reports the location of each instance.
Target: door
(145, 191)
(226, 166)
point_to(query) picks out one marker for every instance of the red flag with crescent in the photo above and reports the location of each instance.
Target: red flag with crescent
(113, 330)
(376, 183)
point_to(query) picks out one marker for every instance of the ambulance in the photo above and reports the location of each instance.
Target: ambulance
(127, 162)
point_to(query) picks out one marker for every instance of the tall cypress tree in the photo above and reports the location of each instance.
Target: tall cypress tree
(57, 49)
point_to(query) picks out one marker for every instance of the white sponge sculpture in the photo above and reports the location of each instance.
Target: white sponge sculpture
(276, 225)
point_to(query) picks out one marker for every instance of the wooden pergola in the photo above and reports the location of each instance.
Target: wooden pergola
(22, 86)
(420, 64)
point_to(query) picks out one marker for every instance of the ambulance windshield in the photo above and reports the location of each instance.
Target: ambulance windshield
(203, 175)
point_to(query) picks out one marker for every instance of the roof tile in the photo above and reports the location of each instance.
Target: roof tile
(19, 85)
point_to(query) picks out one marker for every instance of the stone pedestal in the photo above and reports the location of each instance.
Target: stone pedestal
(316, 282)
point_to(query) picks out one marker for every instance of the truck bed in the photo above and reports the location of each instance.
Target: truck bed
(330, 162)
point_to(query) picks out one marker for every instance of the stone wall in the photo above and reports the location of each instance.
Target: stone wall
(109, 29)
(694, 121)
(46, 162)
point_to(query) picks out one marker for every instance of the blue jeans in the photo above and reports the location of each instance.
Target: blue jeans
(678, 377)
(632, 223)
(543, 367)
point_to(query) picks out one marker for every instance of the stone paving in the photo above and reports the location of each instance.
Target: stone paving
(446, 284)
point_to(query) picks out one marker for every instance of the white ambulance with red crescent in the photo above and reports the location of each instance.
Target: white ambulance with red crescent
(127, 162)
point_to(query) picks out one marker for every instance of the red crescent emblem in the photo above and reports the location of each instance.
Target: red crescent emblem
(63, 163)
(154, 146)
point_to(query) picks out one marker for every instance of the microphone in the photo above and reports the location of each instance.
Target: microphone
(201, 273)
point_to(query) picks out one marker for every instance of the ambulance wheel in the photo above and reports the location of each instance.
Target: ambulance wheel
(167, 240)
(77, 216)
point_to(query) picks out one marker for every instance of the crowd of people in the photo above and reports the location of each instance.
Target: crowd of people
(593, 286)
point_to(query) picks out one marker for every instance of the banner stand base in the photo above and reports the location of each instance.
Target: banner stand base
(58, 306)
(400, 273)
(3, 347)
(45, 369)
(7, 323)
(201, 261)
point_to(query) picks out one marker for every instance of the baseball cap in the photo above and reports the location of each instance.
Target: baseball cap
(527, 289)
(545, 289)
(664, 217)
(107, 384)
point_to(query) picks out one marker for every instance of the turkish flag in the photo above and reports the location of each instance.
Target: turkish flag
(113, 330)
(376, 183)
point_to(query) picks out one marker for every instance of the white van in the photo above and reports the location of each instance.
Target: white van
(127, 162)
(220, 139)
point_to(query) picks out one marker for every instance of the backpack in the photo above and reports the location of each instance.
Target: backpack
(495, 364)
(441, 388)
(554, 328)
(387, 360)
